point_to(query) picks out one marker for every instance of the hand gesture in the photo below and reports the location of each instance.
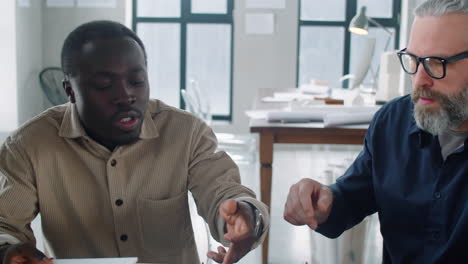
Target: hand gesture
(308, 203)
(240, 232)
(25, 253)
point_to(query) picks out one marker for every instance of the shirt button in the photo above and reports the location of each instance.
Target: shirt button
(123, 237)
(113, 163)
(118, 202)
(437, 195)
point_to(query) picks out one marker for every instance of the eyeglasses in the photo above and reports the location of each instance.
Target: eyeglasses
(434, 66)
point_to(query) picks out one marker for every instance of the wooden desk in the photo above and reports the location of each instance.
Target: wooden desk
(311, 133)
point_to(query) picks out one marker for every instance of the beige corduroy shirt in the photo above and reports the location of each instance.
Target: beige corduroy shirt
(128, 202)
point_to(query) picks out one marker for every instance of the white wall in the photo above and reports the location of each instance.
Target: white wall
(29, 60)
(261, 61)
(8, 103)
(58, 22)
(407, 17)
(40, 32)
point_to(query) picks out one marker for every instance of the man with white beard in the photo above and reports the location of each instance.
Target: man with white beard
(413, 169)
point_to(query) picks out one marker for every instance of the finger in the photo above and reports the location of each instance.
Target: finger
(292, 210)
(228, 210)
(296, 210)
(305, 195)
(221, 250)
(241, 226)
(313, 225)
(291, 220)
(236, 237)
(325, 200)
(17, 260)
(44, 260)
(288, 209)
(47, 261)
(229, 258)
(218, 258)
(295, 220)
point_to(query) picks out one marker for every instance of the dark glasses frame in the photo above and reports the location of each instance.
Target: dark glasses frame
(424, 60)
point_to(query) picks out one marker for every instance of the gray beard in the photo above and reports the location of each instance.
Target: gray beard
(452, 113)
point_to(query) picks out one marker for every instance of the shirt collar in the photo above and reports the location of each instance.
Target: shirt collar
(71, 126)
(423, 136)
(149, 128)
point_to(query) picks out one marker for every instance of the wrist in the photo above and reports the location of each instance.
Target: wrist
(257, 220)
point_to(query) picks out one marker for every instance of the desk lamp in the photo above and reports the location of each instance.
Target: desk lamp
(360, 23)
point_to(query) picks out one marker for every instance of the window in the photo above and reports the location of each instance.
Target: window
(327, 50)
(188, 40)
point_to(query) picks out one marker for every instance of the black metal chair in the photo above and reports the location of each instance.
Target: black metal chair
(51, 79)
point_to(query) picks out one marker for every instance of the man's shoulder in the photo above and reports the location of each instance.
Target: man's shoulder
(397, 110)
(42, 126)
(160, 110)
(402, 103)
(393, 121)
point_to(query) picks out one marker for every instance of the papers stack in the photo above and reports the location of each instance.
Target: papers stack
(330, 115)
(315, 87)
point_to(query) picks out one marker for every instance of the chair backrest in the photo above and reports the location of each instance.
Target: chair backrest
(51, 79)
(195, 103)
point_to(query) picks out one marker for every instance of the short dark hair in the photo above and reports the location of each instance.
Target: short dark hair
(101, 29)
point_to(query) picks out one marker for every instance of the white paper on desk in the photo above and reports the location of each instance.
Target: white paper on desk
(265, 4)
(96, 261)
(314, 89)
(344, 118)
(272, 99)
(318, 113)
(259, 24)
(257, 114)
(292, 96)
(295, 116)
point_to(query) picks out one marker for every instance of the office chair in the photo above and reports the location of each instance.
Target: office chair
(241, 148)
(51, 79)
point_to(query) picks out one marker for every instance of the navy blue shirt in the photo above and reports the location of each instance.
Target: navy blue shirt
(421, 200)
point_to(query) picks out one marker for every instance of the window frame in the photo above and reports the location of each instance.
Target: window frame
(351, 10)
(187, 17)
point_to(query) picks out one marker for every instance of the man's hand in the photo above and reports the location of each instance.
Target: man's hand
(25, 253)
(240, 232)
(309, 203)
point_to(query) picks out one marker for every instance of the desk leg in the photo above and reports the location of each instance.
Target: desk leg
(266, 171)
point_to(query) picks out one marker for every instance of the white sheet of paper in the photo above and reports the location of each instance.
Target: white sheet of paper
(259, 23)
(257, 114)
(265, 3)
(60, 3)
(336, 114)
(97, 261)
(96, 3)
(346, 118)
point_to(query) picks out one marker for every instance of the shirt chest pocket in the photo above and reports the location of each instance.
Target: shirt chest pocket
(164, 224)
